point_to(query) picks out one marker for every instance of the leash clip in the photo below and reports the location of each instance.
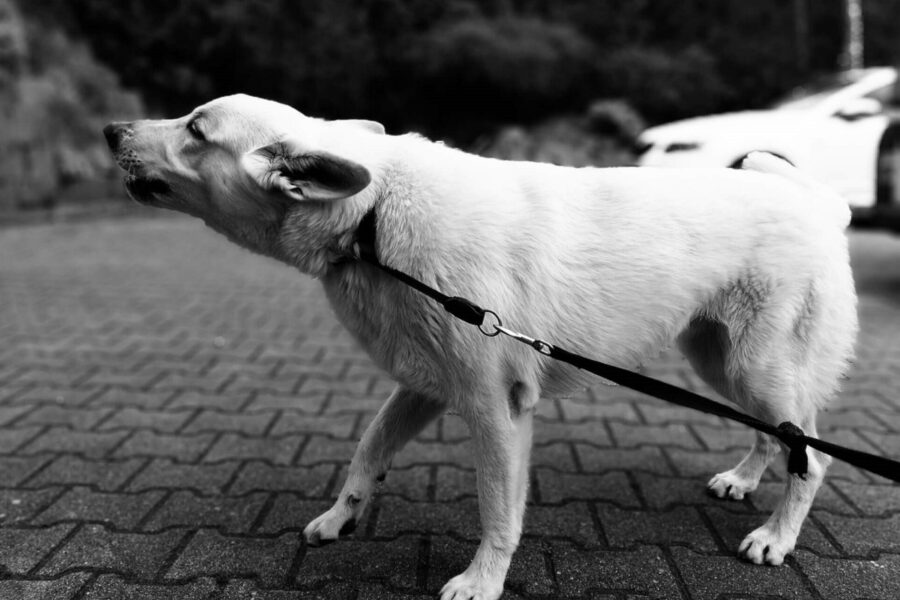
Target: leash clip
(539, 345)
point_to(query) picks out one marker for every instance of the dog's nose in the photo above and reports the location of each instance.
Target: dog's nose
(113, 134)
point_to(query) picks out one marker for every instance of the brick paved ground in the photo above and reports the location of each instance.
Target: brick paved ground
(174, 410)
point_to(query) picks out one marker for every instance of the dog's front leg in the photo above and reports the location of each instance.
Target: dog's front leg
(502, 437)
(403, 416)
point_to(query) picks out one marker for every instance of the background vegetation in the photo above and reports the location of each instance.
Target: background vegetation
(459, 70)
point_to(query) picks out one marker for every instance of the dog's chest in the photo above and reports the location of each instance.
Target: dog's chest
(405, 334)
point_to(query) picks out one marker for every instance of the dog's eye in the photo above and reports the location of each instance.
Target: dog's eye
(195, 130)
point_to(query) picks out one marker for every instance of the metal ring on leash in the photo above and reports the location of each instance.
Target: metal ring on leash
(496, 325)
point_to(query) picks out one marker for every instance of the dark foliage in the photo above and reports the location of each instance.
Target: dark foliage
(454, 68)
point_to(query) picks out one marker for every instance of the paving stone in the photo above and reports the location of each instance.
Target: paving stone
(627, 435)
(8, 414)
(705, 464)
(709, 577)
(75, 417)
(281, 384)
(176, 382)
(339, 403)
(242, 589)
(226, 401)
(718, 438)
(290, 512)
(64, 440)
(134, 380)
(311, 482)
(658, 413)
(453, 429)
(840, 419)
(307, 403)
(596, 460)
(18, 506)
(166, 473)
(112, 587)
(321, 449)
(248, 424)
(212, 554)
(133, 555)
(121, 511)
(184, 448)
(11, 439)
(123, 397)
(279, 452)
(643, 572)
(349, 389)
(557, 455)
(841, 471)
(15, 469)
(22, 549)
(627, 528)
(339, 426)
(414, 483)
(399, 516)
(379, 592)
(863, 536)
(877, 579)
(611, 487)
(164, 421)
(572, 520)
(871, 499)
(452, 483)
(185, 509)
(355, 560)
(107, 475)
(449, 557)
(589, 432)
(59, 375)
(55, 589)
(598, 411)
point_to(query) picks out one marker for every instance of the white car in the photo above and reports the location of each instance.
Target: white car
(831, 128)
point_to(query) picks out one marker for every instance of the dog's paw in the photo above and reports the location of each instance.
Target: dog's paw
(766, 546)
(328, 527)
(731, 485)
(469, 587)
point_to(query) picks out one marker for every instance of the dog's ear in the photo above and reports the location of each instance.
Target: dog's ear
(372, 126)
(313, 175)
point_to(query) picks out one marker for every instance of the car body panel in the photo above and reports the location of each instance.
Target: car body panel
(810, 131)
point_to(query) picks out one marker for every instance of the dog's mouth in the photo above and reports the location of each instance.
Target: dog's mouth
(145, 189)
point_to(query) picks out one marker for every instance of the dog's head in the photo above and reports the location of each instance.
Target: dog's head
(239, 163)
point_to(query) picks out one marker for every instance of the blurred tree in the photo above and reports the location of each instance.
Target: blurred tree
(455, 66)
(57, 98)
(487, 70)
(13, 52)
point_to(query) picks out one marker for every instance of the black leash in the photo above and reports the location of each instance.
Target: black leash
(791, 435)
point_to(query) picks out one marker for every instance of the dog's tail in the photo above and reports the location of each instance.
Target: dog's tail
(766, 162)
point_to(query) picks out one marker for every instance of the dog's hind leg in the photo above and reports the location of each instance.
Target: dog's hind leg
(744, 478)
(502, 434)
(771, 542)
(784, 364)
(404, 415)
(706, 345)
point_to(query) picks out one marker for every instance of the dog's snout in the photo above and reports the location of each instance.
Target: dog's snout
(113, 134)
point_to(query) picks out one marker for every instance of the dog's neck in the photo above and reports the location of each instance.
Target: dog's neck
(317, 238)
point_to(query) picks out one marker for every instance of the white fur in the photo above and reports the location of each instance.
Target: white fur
(746, 270)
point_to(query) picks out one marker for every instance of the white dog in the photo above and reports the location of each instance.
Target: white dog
(747, 270)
